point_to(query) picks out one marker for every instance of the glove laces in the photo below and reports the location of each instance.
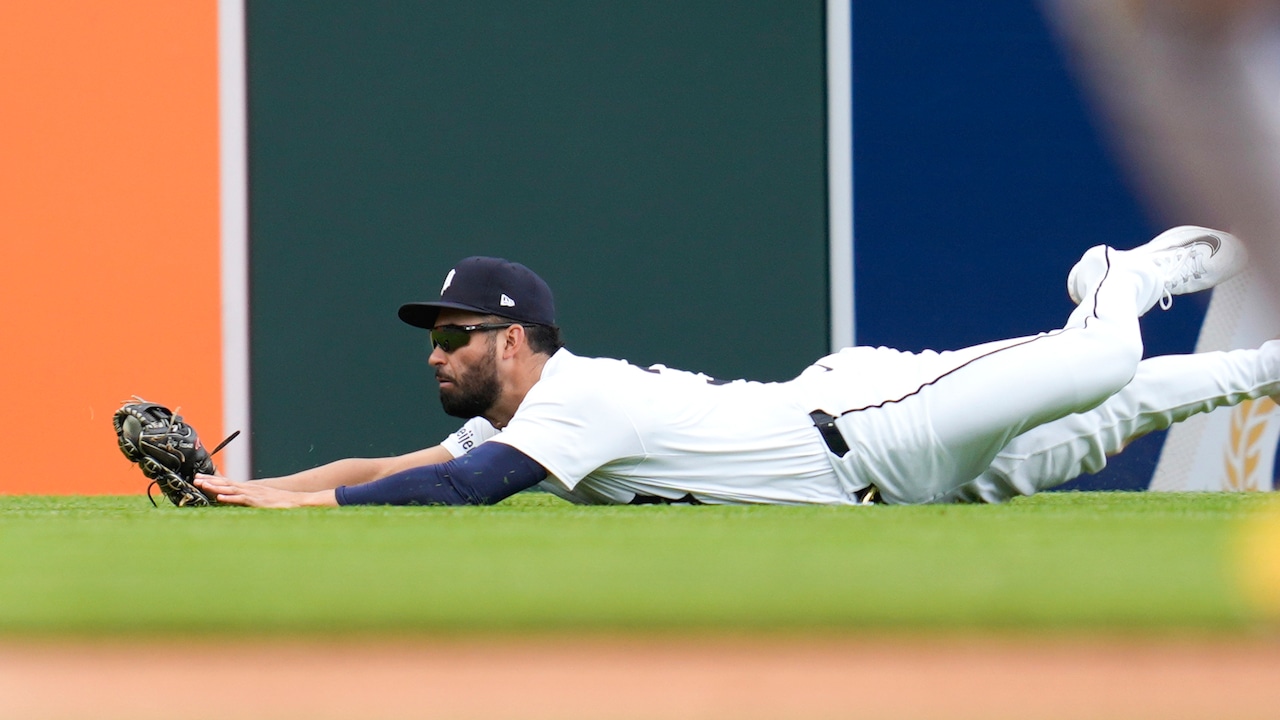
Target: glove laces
(173, 420)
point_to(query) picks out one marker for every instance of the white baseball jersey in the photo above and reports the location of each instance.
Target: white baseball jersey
(607, 431)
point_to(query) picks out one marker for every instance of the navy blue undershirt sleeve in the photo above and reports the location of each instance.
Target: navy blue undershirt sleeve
(487, 475)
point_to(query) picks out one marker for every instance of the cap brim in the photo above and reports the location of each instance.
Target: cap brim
(423, 314)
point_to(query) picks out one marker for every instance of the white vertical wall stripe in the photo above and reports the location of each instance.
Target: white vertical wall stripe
(840, 171)
(235, 460)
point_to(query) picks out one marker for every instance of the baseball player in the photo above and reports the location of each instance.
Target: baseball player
(862, 425)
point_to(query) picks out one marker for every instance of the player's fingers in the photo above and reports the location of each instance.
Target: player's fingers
(214, 480)
(214, 483)
(232, 499)
(265, 497)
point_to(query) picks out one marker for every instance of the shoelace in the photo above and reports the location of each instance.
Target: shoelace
(1186, 264)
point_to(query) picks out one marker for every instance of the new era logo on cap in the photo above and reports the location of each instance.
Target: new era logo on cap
(488, 286)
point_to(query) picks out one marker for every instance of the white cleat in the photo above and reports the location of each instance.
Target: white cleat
(1190, 258)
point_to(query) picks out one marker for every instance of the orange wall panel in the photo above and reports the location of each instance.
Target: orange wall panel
(109, 231)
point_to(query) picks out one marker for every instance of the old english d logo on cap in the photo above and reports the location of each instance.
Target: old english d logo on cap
(488, 286)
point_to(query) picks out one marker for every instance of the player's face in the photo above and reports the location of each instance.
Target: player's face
(468, 375)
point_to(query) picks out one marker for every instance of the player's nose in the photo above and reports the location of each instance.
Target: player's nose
(437, 357)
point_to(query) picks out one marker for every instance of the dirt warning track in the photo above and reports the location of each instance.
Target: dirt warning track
(634, 679)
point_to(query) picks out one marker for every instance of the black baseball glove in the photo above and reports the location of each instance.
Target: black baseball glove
(167, 450)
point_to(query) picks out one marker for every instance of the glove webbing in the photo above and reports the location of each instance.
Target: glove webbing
(156, 483)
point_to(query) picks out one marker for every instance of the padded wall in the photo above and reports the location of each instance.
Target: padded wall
(661, 164)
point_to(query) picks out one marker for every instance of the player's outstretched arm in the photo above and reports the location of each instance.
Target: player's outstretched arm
(356, 471)
(487, 475)
(257, 494)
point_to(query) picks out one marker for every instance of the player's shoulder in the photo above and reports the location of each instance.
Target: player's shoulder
(566, 367)
(574, 388)
(605, 379)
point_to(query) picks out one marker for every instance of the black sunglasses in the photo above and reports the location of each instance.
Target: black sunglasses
(451, 337)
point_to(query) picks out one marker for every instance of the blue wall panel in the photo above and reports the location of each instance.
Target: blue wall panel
(980, 177)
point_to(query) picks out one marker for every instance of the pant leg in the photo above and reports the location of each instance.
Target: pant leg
(1165, 390)
(922, 446)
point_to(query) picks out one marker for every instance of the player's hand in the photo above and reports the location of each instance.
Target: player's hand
(251, 494)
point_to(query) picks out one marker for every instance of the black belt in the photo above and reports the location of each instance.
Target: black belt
(836, 443)
(826, 425)
(688, 499)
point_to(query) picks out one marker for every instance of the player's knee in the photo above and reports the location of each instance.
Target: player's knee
(1113, 362)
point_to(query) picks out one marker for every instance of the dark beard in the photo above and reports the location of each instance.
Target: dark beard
(474, 393)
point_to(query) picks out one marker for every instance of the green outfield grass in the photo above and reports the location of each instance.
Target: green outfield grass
(1075, 562)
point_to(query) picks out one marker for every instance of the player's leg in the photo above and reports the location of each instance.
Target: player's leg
(1165, 390)
(972, 403)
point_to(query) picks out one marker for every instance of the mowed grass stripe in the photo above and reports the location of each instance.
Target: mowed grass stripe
(1089, 561)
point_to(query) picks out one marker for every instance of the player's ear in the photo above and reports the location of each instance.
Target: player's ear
(513, 338)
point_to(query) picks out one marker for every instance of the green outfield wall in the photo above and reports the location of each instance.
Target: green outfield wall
(661, 164)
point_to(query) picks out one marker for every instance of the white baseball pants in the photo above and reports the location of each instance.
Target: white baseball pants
(1016, 416)
(1165, 390)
